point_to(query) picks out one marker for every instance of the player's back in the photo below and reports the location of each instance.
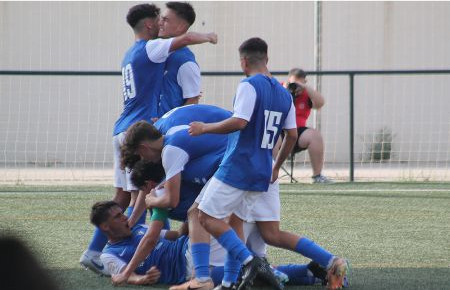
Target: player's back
(204, 153)
(247, 163)
(142, 82)
(172, 93)
(180, 117)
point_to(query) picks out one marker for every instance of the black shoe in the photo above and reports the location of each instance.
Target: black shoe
(318, 271)
(257, 267)
(221, 287)
(267, 275)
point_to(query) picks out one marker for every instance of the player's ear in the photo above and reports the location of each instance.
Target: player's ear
(103, 227)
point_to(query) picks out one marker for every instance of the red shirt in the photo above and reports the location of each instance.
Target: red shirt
(303, 106)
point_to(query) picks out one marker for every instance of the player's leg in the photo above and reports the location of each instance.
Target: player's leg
(200, 250)
(219, 201)
(312, 140)
(266, 213)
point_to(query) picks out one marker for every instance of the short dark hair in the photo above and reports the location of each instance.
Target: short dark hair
(144, 171)
(100, 211)
(141, 11)
(254, 50)
(136, 133)
(298, 73)
(183, 10)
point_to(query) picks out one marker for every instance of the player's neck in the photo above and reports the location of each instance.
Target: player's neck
(157, 145)
(259, 70)
(143, 36)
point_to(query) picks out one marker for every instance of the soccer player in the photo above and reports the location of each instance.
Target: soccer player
(170, 262)
(262, 109)
(142, 73)
(305, 99)
(182, 81)
(184, 158)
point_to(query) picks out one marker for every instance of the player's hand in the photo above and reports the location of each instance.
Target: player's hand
(151, 276)
(196, 128)
(275, 173)
(119, 279)
(212, 38)
(154, 119)
(149, 198)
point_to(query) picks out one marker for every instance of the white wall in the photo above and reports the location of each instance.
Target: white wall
(64, 120)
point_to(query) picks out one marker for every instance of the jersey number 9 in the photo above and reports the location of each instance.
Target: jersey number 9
(129, 89)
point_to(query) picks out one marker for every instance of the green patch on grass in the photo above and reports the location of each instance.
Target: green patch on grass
(396, 235)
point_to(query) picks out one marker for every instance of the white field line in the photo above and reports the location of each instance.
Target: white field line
(367, 190)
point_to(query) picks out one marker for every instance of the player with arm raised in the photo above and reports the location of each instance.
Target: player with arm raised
(142, 73)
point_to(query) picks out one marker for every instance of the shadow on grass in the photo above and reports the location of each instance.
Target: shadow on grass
(361, 278)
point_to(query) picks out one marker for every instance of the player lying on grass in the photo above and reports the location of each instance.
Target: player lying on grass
(264, 222)
(173, 126)
(171, 261)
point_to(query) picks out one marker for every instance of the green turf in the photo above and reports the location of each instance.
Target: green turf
(396, 235)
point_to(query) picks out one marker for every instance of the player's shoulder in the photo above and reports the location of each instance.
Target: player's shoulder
(178, 138)
(182, 54)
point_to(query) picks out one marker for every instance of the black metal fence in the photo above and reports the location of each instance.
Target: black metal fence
(352, 81)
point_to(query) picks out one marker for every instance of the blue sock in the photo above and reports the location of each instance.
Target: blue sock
(231, 242)
(141, 219)
(217, 275)
(98, 241)
(311, 250)
(231, 271)
(298, 274)
(200, 257)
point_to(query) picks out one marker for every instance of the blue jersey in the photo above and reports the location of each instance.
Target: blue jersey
(188, 193)
(205, 151)
(247, 163)
(172, 93)
(208, 147)
(142, 82)
(167, 256)
(183, 116)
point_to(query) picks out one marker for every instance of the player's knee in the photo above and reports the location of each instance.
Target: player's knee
(193, 211)
(203, 219)
(271, 237)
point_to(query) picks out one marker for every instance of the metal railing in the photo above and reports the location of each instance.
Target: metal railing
(352, 74)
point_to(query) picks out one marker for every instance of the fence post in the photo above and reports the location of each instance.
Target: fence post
(352, 169)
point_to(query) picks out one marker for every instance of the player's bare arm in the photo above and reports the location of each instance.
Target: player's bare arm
(150, 277)
(224, 127)
(285, 150)
(171, 196)
(191, 38)
(316, 98)
(146, 245)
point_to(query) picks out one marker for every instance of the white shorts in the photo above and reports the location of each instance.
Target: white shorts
(254, 240)
(265, 209)
(121, 177)
(220, 200)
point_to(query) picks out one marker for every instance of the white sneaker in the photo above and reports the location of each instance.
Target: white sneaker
(321, 179)
(91, 260)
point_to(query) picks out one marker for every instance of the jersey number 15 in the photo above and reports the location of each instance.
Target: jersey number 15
(271, 120)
